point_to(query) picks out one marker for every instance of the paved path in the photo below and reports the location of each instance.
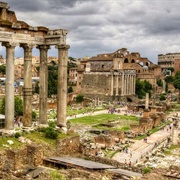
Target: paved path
(140, 148)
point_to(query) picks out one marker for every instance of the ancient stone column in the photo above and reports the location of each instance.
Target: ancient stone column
(127, 85)
(9, 98)
(43, 84)
(134, 82)
(112, 84)
(27, 90)
(164, 86)
(147, 101)
(122, 85)
(117, 84)
(125, 79)
(62, 84)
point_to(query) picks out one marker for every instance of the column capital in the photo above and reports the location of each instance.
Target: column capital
(9, 44)
(45, 47)
(62, 46)
(27, 46)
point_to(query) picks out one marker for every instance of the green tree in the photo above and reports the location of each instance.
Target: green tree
(3, 69)
(18, 106)
(143, 87)
(52, 79)
(177, 85)
(160, 83)
(169, 79)
(79, 98)
(70, 89)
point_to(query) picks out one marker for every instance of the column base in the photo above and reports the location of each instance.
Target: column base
(62, 129)
(6, 132)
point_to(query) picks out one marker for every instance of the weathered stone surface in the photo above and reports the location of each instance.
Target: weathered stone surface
(68, 146)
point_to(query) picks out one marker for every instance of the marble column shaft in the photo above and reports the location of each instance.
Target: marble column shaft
(9, 91)
(43, 84)
(27, 114)
(122, 85)
(112, 85)
(125, 84)
(62, 84)
(117, 85)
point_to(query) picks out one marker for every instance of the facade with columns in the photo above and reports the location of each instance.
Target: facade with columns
(106, 78)
(15, 33)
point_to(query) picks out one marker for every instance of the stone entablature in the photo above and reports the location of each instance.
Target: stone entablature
(18, 32)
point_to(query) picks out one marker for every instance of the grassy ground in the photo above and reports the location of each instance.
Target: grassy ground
(35, 136)
(107, 121)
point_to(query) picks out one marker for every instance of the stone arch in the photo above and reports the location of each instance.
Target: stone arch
(147, 63)
(126, 60)
(132, 61)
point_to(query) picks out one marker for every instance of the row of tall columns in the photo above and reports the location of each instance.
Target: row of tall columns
(127, 84)
(43, 88)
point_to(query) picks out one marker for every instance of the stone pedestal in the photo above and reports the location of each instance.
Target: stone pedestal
(153, 110)
(146, 113)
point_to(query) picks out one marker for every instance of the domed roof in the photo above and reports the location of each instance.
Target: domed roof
(145, 67)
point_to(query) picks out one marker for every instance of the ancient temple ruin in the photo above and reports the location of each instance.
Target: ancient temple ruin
(15, 33)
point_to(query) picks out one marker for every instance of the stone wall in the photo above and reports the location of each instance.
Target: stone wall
(114, 163)
(17, 159)
(69, 145)
(103, 139)
(96, 84)
(34, 155)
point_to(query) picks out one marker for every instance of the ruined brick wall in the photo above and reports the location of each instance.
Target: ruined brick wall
(115, 163)
(148, 77)
(68, 146)
(15, 159)
(2, 159)
(101, 65)
(137, 128)
(116, 134)
(35, 155)
(103, 139)
(98, 84)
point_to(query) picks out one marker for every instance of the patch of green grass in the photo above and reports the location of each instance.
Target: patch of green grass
(103, 118)
(57, 175)
(146, 170)
(169, 151)
(3, 141)
(110, 154)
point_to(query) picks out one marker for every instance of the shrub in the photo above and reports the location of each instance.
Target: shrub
(162, 97)
(17, 135)
(57, 176)
(52, 124)
(34, 115)
(79, 98)
(146, 170)
(51, 133)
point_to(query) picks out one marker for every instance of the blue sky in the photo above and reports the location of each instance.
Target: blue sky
(100, 26)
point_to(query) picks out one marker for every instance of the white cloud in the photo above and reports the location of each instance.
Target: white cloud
(148, 27)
